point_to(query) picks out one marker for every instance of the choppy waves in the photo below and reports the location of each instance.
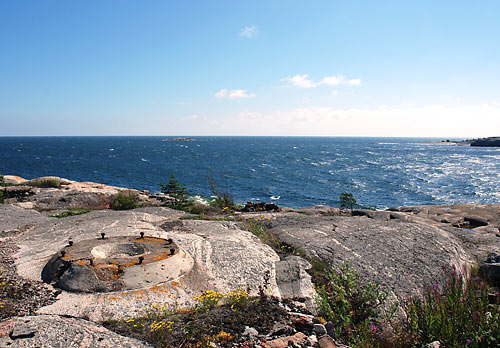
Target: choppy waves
(300, 171)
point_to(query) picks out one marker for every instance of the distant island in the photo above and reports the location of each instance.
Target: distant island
(181, 139)
(479, 142)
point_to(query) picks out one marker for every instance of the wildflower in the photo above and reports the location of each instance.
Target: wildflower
(468, 341)
(373, 328)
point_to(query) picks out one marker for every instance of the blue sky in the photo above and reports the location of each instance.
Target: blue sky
(334, 68)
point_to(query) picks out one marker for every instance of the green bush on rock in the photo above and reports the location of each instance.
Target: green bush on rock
(125, 200)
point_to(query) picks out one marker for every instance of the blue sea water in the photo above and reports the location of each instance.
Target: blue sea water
(301, 171)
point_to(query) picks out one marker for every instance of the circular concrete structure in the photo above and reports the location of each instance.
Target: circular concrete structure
(115, 264)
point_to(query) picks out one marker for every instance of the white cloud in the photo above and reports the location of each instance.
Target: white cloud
(249, 32)
(233, 94)
(354, 82)
(339, 80)
(385, 120)
(301, 81)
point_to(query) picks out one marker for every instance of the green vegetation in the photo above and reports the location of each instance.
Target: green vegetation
(216, 319)
(2, 190)
(351, 306)
(178, 193)
(71, 212)
(347, 200)
(458, 315)
(223, 200)
(48, 181)
(125, 200)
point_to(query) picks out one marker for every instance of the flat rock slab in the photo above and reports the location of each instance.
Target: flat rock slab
(51, 331)
(219, 256)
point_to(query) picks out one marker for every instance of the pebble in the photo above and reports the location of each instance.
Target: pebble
(319, 330)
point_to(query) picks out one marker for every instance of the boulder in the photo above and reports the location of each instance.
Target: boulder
(260, 206)
(20, 191)
(491, 269)
(56, 331)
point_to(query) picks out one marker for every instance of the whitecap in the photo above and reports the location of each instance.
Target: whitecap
(274, 198)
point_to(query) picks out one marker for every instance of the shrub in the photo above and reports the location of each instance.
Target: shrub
(352, 307)
(125, 200)
(223, 200)
(46, 181)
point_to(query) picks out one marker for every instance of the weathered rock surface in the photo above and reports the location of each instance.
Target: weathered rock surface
(52, 331)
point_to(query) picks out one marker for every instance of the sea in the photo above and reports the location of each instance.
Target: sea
(293, 172)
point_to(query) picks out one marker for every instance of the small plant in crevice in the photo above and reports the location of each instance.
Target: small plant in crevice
(70, 212)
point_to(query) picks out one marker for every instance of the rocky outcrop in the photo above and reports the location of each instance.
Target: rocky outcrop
(486, 142)
(403, 249)
(216, 256)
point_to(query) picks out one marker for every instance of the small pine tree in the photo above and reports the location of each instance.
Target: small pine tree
(347, 200)
(178, 193)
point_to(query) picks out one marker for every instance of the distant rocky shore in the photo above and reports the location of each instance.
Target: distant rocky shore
(402, 248)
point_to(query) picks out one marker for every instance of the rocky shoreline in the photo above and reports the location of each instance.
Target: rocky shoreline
(403, 249)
